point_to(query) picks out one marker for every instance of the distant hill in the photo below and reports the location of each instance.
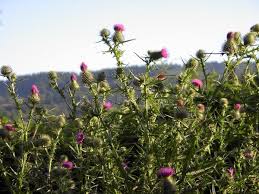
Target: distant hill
(52, 100)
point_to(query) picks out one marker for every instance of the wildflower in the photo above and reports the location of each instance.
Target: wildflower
(34, 90)
(197, 83)
(165, 172)
(119, 27)
(80, 137)
(74, 85)
(83, 67)
(35, 98)
(237, 106)
(9, 127)
(155, 55)
(73, 77)
(168, 183)
(68, 165)
(107, 105)
(164, 53)
(231, 172)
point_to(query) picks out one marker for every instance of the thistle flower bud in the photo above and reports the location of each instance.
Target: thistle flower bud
(87, 77)
(237, 38)
(192, 63)
(74, 85)
(249, 38)
(118, 37)
(230, 47)
(200, 54)
(61, 121)
(53, 76)
(34, 98)
(93, 142)
(224, 102)
(6, 70)
(255, 28)
(104, 86)
(83, 67)
(105, 33)
(155, 55)
(43, 140)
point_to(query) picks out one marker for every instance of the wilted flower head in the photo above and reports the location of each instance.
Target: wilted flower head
(80, 137)
(6, 70)
(231, 172)
(83, 67)
(68, 165)
(105, 33)
(165, 172)
(35, 90)
(9, 127)
(73, 77)
(237, 106)
(197, 83)
(107, 105)
(119, 27)
(161, 76)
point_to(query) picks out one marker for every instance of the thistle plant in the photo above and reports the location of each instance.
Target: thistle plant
(199, 135)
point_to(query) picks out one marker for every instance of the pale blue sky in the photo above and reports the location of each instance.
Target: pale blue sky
(43, 35)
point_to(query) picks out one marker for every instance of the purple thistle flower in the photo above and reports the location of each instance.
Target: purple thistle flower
(83, 67)
(197, 83)
(237, 106)
(9, 127)
(68, 165)
(107, 105)
(34, 90)
(80, 137)
(164, 53)
(73, 77)
(165, 172)
(119, 27)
